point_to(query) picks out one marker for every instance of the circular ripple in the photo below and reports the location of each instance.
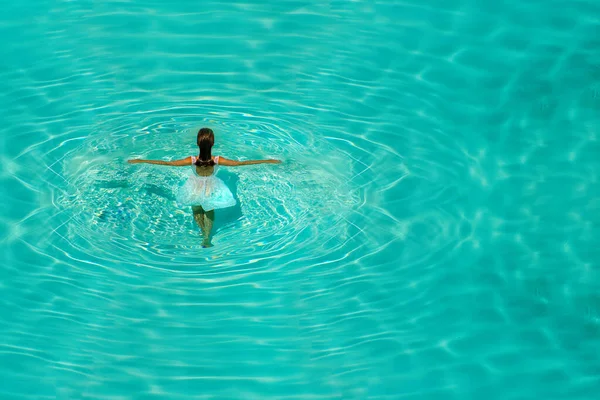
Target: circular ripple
(123, 208)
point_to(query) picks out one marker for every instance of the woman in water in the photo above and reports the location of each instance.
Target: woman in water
(203, 190)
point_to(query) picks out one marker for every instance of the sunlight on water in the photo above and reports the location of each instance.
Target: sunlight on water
(111, 199)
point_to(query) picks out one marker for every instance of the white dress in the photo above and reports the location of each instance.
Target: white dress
(209, 192)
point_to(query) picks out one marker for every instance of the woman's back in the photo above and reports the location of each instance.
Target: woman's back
(205, 170)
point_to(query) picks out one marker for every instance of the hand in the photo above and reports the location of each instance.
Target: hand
(274, 161)
(134, 161)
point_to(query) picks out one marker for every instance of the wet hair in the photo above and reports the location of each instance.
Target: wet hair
(206, 140)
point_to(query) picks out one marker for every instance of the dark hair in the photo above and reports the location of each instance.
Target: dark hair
(206, 140)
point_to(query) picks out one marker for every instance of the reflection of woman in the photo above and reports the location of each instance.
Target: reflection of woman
(203, 190)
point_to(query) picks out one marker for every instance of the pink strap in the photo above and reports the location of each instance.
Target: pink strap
(194, 160)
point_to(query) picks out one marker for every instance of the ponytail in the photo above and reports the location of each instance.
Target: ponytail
(205, 140)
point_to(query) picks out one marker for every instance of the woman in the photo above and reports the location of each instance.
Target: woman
(203, 190)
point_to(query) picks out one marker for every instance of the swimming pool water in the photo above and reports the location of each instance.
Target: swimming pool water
(431, 234)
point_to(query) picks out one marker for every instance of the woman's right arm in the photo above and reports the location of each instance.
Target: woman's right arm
(233, 163)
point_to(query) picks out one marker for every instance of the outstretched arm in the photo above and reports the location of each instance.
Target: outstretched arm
(234, 163)
(176, 163)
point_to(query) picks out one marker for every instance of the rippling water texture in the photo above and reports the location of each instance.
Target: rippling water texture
(431, 234)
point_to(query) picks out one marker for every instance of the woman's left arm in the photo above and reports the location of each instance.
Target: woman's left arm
(177, 163)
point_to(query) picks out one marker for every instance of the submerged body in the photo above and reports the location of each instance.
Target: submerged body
(204, 189)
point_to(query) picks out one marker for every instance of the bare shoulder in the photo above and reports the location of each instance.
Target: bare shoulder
(225, 161)
(183, 161)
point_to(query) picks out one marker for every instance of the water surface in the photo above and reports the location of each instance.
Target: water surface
(432, 232)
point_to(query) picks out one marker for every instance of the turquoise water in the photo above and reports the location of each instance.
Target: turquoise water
(431, 234)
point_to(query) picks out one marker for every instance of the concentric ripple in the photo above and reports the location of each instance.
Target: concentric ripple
(134, 207)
